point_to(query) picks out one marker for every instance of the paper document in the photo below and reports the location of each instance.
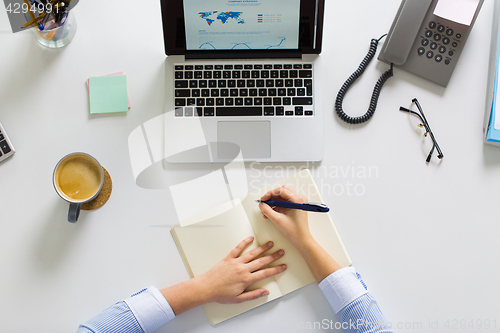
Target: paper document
(460, 11)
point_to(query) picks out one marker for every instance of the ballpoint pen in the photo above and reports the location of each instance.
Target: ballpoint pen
(307, 206)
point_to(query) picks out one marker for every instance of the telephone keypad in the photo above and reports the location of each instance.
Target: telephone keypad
(436, 37)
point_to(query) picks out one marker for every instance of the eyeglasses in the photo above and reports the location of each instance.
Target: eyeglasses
(425, 125)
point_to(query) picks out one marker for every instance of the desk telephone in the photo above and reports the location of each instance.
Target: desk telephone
(426, 39)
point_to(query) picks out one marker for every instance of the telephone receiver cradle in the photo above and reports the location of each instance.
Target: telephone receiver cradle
(425, 44)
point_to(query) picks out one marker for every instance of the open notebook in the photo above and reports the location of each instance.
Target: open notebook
(205, 243)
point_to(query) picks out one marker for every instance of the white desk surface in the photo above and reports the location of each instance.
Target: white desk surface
(424, 237)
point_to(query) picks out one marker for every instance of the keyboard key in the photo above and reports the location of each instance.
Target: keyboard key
(189, 67)
(287, 101)
(294, 74)
(289, 113)
(263, 92)
(275, 74)
(210, 101)
(181, 84)
(248, 66)
(278, 83)
(209, 67)
(268, 101)
(231, 83)
(214, 92)
(250, 83)
(203, 83)
(252, 92)
(188, 112)
(308, 85)
(226, 74)
(277, 101)
(205, 92)
(288, 66)
(198, 112)
(188, 75)
(198, 74)
(302, 100)
(289, 83)
(217, 75)
(284, 74)
(308, 113)
(207, 75)
(179, 112)
(198, 67)
(229, 101)
(238, 111)
(271, 91)
(219, 67)
(257, 101)
(243, 92)
(238, 101)
(209, 111)
(269, 83)
(195, 93)
(298, 83)
(264, 74)
(245, 74)
(179, 75)
(224, 92)
(238, 66)
(268, 66)
(257, 66)
(268, 111)
(179, 67)
(182, 93)
(236, 74)
(233, 92)
(305, 73)
(180, 102)
(212, 84)
(240, 83)
(255, 74)
(221, 83)
(308, 66)
(219, 101)
(301, 91)
(281, 92)
(299, 111)
(280, 111)
(1, 136)
(249, 101)
(278, 66)
(191, 102)
(297, 66)
(193, 84)
(260, 83)
(291, 91)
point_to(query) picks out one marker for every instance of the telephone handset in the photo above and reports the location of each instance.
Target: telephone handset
(428, 36)
(426, 39)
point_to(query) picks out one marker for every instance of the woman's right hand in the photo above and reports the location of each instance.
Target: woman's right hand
(292, 223)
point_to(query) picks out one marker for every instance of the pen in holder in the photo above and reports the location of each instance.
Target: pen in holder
(54, 27)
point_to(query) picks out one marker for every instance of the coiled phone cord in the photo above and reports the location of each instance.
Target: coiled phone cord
(376, 90)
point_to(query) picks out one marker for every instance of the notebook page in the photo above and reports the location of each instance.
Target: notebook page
(205, 243)
(321, 225)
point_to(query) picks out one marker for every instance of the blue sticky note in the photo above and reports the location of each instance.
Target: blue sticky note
(108, 94)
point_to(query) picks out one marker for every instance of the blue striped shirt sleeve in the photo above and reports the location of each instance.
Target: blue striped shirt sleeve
(143, 312)
(356, 309)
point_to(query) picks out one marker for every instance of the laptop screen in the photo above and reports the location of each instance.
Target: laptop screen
(209, 29)
(241, 24)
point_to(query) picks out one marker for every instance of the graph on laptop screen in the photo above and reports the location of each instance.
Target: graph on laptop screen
(241, 24)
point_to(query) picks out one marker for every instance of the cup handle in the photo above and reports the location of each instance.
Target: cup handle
(74, 212)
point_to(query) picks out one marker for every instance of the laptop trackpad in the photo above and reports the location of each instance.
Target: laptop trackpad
(253, 137)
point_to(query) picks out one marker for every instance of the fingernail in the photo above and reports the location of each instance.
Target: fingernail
(265, 293)
(250, 238)
(283, 267)
(281, 252)
(261, 205)
(270, 244)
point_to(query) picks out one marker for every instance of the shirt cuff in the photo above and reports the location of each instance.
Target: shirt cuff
(150, 309)
(342, 287)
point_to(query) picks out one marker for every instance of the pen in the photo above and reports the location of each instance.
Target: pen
(307, 206)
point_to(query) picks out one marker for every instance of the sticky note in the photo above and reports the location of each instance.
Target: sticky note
(460, 11)
(112, 74)
(108, 94)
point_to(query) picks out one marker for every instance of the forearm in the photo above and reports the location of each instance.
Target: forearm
(186, 295)
(319, 261)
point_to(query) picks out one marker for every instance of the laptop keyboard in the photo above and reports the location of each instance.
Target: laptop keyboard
(243, 90)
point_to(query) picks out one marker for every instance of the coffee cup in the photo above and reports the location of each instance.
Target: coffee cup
(78, 178)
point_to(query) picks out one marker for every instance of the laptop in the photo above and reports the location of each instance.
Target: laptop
(242, 77)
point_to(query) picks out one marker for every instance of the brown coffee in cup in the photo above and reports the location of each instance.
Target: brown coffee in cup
(78, 178)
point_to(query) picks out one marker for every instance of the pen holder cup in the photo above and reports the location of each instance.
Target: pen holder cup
(58, 36)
